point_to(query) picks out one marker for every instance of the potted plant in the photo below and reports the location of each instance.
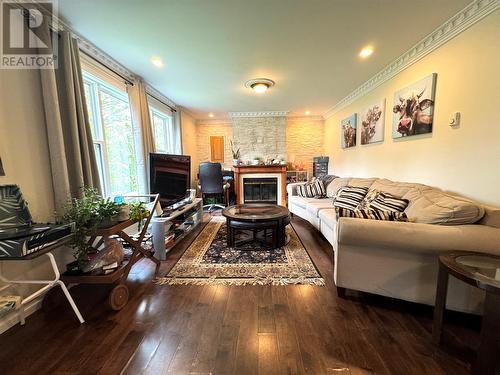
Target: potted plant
(108, 212)
(139, 212)
(88, 212)
(82, 212)
(236, 154)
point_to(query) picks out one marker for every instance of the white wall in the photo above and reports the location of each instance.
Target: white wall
(465, 160)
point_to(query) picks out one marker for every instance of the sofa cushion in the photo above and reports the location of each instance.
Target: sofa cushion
(314, 207)
(339, 182)
(334, 186)
(299, 201)
(327, 178)
(371, 214)
(433, 206)
(491, 217)
(398, 189)
(315, 189)
(350, 197)
(388, 202)
(328, 217)
(368, 199)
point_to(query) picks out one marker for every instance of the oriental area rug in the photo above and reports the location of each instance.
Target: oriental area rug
(208, 260)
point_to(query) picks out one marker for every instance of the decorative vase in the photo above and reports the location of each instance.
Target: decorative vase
(236, 162)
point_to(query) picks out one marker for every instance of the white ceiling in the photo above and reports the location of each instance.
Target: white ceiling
(211, 47)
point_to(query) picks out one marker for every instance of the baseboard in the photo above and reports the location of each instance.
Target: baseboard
(11, 319)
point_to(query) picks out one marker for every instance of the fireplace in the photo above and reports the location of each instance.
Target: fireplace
(260, 190)
(267, 181)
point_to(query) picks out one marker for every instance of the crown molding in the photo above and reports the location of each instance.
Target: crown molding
(187, 111)
(91, 49)
(150, 89)
(214, 121)
(258, 114)
(306, 118)
(471, 14)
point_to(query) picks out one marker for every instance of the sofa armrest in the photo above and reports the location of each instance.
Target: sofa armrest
(417, 237)
(291, 189)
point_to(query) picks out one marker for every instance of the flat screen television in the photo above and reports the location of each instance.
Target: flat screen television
(169, 176)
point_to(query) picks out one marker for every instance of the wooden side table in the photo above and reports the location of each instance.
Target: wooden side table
(481, 271)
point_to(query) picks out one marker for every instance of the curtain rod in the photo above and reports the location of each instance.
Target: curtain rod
(127, 81)
(161, 101)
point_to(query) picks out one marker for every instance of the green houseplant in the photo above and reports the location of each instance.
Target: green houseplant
(138, 212)
(88, 212)
(236, 154)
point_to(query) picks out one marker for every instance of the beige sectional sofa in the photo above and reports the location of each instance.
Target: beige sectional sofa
(399, 259)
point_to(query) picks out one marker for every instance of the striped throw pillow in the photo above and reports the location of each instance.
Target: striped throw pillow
(368, 199)
(371, 214)
(388, 202)
(349, 197)
(315, 189)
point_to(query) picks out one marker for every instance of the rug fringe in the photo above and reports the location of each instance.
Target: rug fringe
(317, 281)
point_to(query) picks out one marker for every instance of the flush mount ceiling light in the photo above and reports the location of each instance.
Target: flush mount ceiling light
(211, 115)
(307, 113)
(366, 52)
(259, 85)
(157, 61)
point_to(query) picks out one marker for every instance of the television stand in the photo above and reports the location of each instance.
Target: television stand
(177, 224)
(168, 210)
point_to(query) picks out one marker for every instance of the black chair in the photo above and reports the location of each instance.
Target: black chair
(211, 183)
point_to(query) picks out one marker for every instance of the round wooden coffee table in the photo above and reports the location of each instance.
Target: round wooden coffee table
(483, 272)
(266, 222)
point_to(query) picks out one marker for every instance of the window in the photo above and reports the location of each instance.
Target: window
(166, 133)
(113, 135)
(163, 132)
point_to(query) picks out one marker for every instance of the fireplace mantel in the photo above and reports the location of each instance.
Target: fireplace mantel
(242, 171)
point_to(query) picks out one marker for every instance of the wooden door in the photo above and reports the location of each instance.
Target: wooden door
(217, 148)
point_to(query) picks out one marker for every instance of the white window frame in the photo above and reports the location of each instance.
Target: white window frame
(167, 124)
(97, 85)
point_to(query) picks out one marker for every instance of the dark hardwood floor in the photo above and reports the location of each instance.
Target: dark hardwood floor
(299, 329)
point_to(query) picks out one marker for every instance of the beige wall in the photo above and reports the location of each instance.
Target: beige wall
(23, 140)
(304, 140)
(188, 124)
(464, 159)
(24, 151)
(203, 133)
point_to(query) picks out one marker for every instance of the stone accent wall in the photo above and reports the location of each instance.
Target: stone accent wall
(304, 140)
(263, 137)
(295, 139)
(203, 133)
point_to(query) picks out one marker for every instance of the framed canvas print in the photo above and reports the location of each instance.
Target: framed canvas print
(414, 108)
(372, 123)
(348, 131)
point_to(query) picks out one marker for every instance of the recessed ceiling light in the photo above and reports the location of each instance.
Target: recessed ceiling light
(259, 85)
(157, 61)
(307, 113)
(366, 52)
(211, 115)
